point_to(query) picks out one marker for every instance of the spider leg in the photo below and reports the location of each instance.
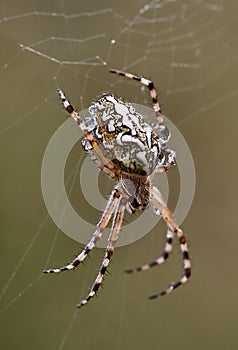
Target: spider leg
(109, 169)
(167, 215)
(70, 109)
(152, 90)
(113, 237)
(93, 148)
(171, 160)
(111, 205)
(159, 261)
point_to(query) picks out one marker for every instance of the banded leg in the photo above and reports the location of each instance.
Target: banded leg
(152, 90)
(112, 172)
(159, 203)
(159, 261)
(113, 200)
(91, 145)
(113, 237)
(171, 160)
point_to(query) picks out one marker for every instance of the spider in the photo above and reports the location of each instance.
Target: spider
(129, 150)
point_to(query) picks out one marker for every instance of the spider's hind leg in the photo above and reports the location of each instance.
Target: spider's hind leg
(111, 205)
(113, 237)
(159, 261)
(167, 215)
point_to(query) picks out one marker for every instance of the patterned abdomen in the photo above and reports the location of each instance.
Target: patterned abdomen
(123, 135)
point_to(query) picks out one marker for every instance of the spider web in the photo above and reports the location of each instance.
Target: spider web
(188, 48)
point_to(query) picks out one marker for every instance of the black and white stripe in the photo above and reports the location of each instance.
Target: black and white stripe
(186, 263)
(150, 86)
(95, 152)
(167, 215)
(159, 261)
(111, 205)
(112, 239)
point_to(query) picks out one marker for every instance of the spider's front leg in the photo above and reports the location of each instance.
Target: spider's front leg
(150, 85)
(113, 237)
(90, 145)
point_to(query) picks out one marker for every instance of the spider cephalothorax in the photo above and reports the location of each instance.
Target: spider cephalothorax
(129, 150)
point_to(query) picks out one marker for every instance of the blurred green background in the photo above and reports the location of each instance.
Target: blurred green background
(189, 49)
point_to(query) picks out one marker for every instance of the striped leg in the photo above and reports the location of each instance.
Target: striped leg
(113, 200)
(159, 203)
(70, 109)
(171, 160)
(150, 86)
(159, 261)
(113, 237)
(109, 168)
(93, 148)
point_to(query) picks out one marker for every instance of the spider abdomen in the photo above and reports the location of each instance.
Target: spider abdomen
(123, 135)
